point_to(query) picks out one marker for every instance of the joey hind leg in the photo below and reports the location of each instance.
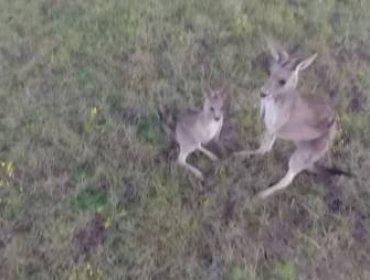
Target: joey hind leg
(183, 154)
(208, 153)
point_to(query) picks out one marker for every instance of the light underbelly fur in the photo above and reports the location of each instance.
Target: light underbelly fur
(212, 130)
(270, 113)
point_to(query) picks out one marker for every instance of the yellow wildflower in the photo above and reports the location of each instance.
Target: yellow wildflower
(93, 112)
(10, 169)
(108, 223)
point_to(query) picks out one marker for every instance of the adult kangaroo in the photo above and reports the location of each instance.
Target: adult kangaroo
(308, 121)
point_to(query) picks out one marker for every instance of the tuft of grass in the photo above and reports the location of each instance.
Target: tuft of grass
(239, 273)
(86, 273)
(149, 131)
(285, 271)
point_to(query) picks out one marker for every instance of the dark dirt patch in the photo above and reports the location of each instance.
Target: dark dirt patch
(229, 206)
(334, 204)
(90, 237)
(22, 228)
(334, 267)
(233, 204)
(2, 244)
(279, 240)
(131, 193)
(361, 228)
(206, 255)
(20, 55)
(358, 99)
(129, 115)
(333, 197)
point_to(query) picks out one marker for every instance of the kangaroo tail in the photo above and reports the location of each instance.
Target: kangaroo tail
(334, 171)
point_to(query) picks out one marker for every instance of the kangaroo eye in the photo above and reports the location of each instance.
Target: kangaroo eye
(212, 109)
(282, 82)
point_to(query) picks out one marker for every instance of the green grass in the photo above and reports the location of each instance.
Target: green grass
(87, 188)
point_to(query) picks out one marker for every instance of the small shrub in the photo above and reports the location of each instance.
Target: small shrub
(90, 199)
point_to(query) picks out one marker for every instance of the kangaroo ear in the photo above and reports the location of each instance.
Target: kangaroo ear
(278, 53)
(305, 63)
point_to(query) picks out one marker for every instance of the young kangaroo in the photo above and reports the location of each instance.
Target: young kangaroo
(195, 129)
(308, 121)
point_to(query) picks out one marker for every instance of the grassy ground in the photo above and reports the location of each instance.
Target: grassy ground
(88, 188)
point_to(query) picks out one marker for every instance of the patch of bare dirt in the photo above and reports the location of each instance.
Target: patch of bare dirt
(90, 237)
(131, 193)
(279, 240)
(358, 99)
(361, 228)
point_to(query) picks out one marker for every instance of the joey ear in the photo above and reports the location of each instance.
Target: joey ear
(305, 63)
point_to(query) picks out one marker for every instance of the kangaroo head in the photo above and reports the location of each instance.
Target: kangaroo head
(284, 72)
(214, 100)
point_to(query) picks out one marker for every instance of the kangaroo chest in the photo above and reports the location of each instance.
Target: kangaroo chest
(272, 114)
(210, 130)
